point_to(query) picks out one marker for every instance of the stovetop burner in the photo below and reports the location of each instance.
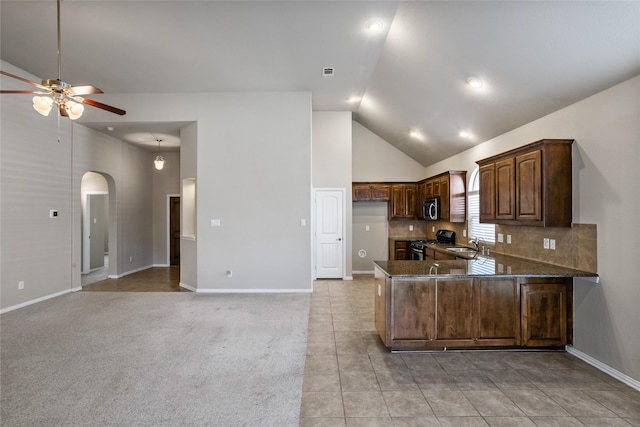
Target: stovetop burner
(442, 236)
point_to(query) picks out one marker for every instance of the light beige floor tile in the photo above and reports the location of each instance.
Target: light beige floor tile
(556, 422)
(321, 348)
(364, 404)
(351, 362)
(406, 404)
(619, 402)
(358, 380)
(462, 422)
(578, 403)
(509, 422)
(428, 421)
(369, 422)
(493, 403)
(322, 422)
(450, 404)
(321, 404)
(536, 403)
(605, 422)
(321, 381)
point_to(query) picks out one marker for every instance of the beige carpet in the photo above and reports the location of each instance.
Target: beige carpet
(154, 359)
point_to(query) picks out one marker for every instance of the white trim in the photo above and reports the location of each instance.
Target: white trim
(252, 291)
(191, 288)
(363, 272)
(126, 273)
(604, 368)
(34, 301)
(347, 278)
(160, 265)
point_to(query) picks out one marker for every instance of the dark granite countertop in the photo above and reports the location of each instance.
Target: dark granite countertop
(496, 265)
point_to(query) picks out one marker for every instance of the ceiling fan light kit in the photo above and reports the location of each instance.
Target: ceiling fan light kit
(65, 96)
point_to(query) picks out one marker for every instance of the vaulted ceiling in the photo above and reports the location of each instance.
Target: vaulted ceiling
(533, 57)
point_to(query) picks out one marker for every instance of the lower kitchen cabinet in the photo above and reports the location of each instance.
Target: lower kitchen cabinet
(547, 312)
(399, 250)
(473, 312)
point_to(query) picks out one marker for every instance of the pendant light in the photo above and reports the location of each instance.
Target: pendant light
(159, 161)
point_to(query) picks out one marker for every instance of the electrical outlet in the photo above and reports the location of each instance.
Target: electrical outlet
(545, 243)
(433, 228)
(21, 284)
(367, 228)
(411, 228)
(229, 273)
(500, 237)
(552, 244)
(130, 259)
(508, 239)
(464, 233)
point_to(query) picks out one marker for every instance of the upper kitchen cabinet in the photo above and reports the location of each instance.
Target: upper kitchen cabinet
(451, 188)
(403, 201)
(530, 185)
(370, 192)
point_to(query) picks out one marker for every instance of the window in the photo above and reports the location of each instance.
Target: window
(485, 232)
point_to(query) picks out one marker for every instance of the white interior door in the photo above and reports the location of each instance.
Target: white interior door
(329, 233)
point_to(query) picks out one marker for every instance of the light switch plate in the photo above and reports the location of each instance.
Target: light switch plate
(500, 237)
(508, 239)
(215, 223)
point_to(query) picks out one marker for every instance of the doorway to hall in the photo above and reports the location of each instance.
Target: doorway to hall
(94, 191)
(174, 230)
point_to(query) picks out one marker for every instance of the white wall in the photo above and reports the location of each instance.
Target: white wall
(374, 159)
(606, 174)
(332, 154)
(37, 174)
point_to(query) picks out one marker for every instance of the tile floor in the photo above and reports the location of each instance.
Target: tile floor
(352, 380)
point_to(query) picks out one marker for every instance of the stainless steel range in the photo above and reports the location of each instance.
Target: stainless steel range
(442, 236)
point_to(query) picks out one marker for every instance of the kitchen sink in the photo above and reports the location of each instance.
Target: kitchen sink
(459, 249)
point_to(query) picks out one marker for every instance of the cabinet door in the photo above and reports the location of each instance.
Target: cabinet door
(505, 192)
(436, 187)
(380, 192)
(361, 192)
(487, 189)
(403, 201)
(412, 311)
(401, 250)
(497, 312)
(444, 198)
(529, 186)
(454, 311)
(544, 314)
(428, 189)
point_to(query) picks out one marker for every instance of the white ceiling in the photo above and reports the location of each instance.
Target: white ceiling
(534, 57)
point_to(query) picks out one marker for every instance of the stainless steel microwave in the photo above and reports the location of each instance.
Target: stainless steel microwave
(431, 209)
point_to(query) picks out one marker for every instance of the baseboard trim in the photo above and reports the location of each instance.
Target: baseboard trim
(363, 272)
(604, 368)
(37, 300)
(190, 288)
(161, 265)
(126, 273)
(253, 291)
(348, 278)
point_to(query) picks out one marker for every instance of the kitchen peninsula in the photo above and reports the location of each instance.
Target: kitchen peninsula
(478, 302)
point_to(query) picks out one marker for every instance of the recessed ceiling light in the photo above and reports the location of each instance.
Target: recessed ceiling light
(464, 134)
(354, 99)
(475, 82)
(414, 133)
(375, 26)
(110, 128)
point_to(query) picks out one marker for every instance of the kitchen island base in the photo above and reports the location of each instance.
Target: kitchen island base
(468, 312)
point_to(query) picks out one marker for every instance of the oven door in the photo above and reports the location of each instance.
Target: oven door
(417, 254)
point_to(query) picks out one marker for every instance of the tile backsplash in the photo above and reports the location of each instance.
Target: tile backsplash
(576, 246)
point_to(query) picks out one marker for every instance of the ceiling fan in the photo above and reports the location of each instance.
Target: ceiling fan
(69, 99)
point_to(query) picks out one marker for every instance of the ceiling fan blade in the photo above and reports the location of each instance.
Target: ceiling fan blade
(37, 92)
(104, 106)
(22, 79)
(83, 90)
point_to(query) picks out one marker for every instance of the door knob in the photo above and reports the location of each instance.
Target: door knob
(339, 239)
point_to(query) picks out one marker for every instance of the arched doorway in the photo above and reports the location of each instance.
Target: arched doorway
(96, 229)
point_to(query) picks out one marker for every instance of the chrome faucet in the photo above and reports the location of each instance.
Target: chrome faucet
(476, 242)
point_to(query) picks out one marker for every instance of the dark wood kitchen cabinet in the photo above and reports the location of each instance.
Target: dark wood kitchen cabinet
(530, 185)
(399, 250)
(447, 313)
(547, 312)
(403, 201)
(370, 192)
(451, 188)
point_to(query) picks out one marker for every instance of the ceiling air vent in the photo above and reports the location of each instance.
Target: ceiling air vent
(328, 71)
